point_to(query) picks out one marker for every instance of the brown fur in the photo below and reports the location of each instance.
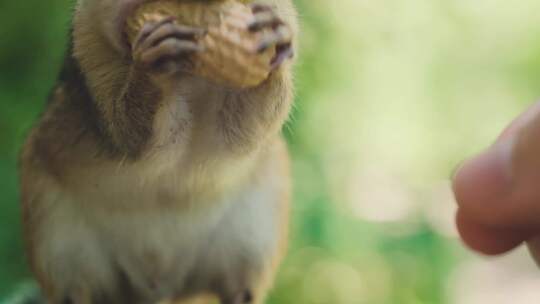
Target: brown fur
(104, 118)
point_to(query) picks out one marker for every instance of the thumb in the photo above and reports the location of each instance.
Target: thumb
(501, 187)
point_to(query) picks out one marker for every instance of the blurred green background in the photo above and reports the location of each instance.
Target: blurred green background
(391, 95)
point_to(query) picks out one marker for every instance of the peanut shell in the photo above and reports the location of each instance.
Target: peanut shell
(230, 55)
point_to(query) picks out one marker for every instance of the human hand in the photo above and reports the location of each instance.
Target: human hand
(498, 191)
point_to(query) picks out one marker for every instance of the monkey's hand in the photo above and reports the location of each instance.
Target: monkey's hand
(279, 34)
(165, 47)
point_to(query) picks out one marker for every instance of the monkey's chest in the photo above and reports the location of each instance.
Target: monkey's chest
(182, 253)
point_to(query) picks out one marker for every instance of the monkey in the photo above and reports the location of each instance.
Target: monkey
(142, 183)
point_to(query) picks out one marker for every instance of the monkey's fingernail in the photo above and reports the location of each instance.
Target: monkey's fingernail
(282, 55)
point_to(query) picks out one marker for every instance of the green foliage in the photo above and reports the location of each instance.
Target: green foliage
(33, 34)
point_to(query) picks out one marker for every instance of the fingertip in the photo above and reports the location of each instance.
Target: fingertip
(481, 183)
(486, 240)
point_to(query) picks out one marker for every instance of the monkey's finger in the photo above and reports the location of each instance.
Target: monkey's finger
(263, 20)
(285, 34)
(147, 29)
(169, 49)
(281, 36)
(283, 53)
(171, 30)
(257, 7)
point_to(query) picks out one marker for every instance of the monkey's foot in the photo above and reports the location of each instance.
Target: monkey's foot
(166, 47)
(280, 36)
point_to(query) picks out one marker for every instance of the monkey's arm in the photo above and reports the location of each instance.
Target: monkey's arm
(249, 117)
(127, 88)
